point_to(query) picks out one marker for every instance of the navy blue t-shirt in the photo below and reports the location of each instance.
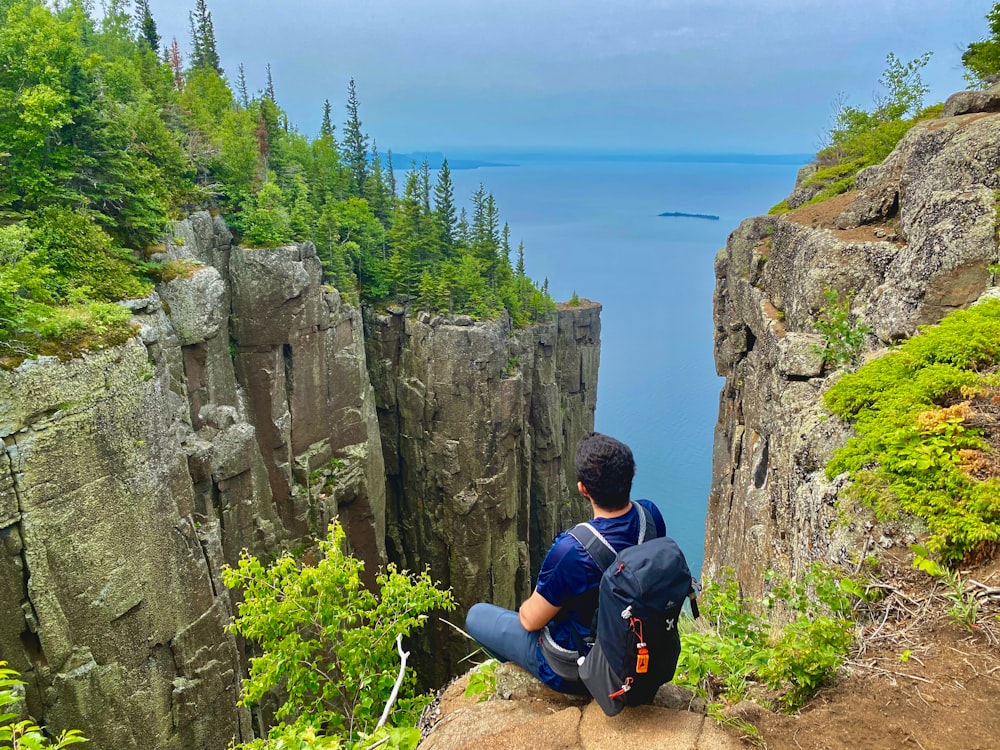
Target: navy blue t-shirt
(568, 571)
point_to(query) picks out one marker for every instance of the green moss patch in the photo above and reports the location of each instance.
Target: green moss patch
(925, 431)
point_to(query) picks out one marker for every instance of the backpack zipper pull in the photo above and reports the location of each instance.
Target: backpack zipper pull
(623, 689)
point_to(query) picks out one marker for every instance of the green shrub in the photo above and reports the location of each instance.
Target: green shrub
(863, 138)
(25, 733)
(482, 680)
(911, 435)
(329, 644)
(743, 650)
(844, 337)
(982, 59)
(264, 221)
(83, 257)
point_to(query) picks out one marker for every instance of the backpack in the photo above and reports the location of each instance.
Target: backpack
(641, 594)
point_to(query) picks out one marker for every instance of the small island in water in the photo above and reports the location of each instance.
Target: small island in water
(681, 214)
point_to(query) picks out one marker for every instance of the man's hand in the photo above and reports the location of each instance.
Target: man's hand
(536, 612)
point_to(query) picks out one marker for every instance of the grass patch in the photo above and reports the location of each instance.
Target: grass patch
(175, 268)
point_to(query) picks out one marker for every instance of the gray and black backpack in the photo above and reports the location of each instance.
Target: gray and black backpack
(635, 641)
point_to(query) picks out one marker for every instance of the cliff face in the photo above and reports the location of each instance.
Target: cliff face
(479, 425)
(132, 475)
(243, 416)
(914, 242)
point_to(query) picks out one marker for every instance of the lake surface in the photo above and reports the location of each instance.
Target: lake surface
(593, 227)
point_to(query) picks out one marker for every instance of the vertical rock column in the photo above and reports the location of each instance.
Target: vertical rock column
(301, 358)
(476, 424)
(563, 360)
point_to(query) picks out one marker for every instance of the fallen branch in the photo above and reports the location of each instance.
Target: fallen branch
(873, 668)
(403, 656)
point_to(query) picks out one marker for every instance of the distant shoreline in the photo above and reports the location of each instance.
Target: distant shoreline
(682, 215)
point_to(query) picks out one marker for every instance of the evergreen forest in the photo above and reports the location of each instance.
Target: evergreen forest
(108, 132)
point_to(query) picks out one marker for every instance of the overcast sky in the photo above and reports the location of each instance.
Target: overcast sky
(756, 76)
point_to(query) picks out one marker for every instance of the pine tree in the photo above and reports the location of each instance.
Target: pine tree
(390, 177)
(355, 144)
(425, 186)
(176, 62)
(241, 88)
(326, 128)
(263, 142)
(444, 209)
(463, 234)
(376, 190)
(146, 25)
(204, 52)
(269, 91)
(486, 232)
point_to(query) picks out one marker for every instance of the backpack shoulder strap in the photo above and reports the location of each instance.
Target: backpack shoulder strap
(595, 545)
(599, 549)
(647, 526)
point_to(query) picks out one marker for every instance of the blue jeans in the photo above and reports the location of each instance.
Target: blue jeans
(499, 631)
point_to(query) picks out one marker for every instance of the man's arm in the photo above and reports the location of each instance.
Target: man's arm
(535, 612)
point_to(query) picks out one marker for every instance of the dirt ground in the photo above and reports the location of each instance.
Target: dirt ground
(823, 214)
(918, 679)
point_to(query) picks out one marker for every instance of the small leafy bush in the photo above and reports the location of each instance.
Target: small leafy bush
(329, 645)
(264, 221)
(482, 680)
(982, 59)
(911, 410)
(844, 336)
(964, 608)
(745, 650)
(25, 734)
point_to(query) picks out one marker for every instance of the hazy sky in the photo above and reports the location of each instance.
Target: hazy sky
(680, 75)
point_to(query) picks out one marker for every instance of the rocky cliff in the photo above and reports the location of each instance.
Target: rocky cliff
(242, 416)
(914, 241)
(479, 424)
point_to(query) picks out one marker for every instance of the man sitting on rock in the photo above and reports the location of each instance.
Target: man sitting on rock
(546, 635)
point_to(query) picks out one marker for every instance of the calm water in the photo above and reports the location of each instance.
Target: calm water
(592, 227)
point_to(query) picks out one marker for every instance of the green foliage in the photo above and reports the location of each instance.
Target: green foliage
(744, 650)
(264, 221)
(574, 300)
(844, 337)
(482, 680)
(25, 734)
(911, 430)
(964, 608)
(982, 59)
(84, 259)
(861, 138)
(175, 268)
(328, 644)
(103, 143)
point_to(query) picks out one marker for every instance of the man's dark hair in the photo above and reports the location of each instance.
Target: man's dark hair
(605, 466)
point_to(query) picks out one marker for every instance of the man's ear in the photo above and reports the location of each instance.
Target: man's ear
(583, 490)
